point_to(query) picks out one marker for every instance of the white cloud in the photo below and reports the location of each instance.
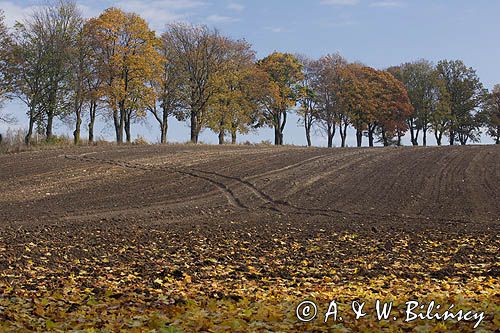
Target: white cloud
(14, 12)
(156, 12)
(236, 7)
(221, 19)
(340, 2)
(387, 4)
(160, 12)
(277, 29)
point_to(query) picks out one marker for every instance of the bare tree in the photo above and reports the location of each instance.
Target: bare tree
(327, 85)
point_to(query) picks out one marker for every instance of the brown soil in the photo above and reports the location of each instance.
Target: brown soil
(433, 211)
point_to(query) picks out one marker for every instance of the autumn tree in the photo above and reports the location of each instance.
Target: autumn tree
(284, 74)
(167, 84)
(393, 108)
(466, 95)
(233, 106)
(128, 57)
(200, 52)
(491, 113)
(81, 82)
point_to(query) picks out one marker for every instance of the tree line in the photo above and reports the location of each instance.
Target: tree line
(62, 66)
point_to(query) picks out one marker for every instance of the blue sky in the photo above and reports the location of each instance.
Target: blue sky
(378, 33)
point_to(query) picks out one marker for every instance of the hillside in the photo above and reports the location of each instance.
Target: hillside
(258, 227)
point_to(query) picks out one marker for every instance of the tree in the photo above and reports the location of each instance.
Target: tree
(284, 74)
(56, 27)
(200, 52)
(420, 80)
(5, 54)
(81, 82)
(167, 87)
(28, 68)
(93, 79)
(355, 98)
(393, 108)
(466, 94)
(492, 114)
(327, 86)
(440, 117)
(127, 53)
(233, 106)
(308, 99)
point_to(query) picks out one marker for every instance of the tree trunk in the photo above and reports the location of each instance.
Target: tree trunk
(438, 136)
(417, 133)
(194, 125)
(371, 131)
(50, 120)
(343, 134)
(424, 138)
(221, 136)
(414, 139)
(384, 138)
(116, 121)
(359, 137)
(331, 134)
(93, 107)
(128, 120)
(27, 138)
(121, 126)
(308, 135)
(452, 137)
(307, 127)
(76, 133)
(163, 129)
(277, 136)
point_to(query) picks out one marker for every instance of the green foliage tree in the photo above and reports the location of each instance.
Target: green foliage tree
(308, 109)
(466, 94)
(421, 82)
(284, 73)
(27, 68)
(491, 113)
(5, 54)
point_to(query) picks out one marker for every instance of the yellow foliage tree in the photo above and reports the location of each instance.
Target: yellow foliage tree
(284, 73)
(128, 59)
(233, 107)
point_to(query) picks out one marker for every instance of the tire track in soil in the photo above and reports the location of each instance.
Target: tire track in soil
(226, 191)
(270, 204)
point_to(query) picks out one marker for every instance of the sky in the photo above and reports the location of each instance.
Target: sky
(378, 33)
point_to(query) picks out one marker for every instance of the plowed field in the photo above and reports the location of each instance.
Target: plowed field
(205, 238)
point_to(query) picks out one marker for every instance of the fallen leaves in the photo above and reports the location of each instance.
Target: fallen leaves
(245, 277)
